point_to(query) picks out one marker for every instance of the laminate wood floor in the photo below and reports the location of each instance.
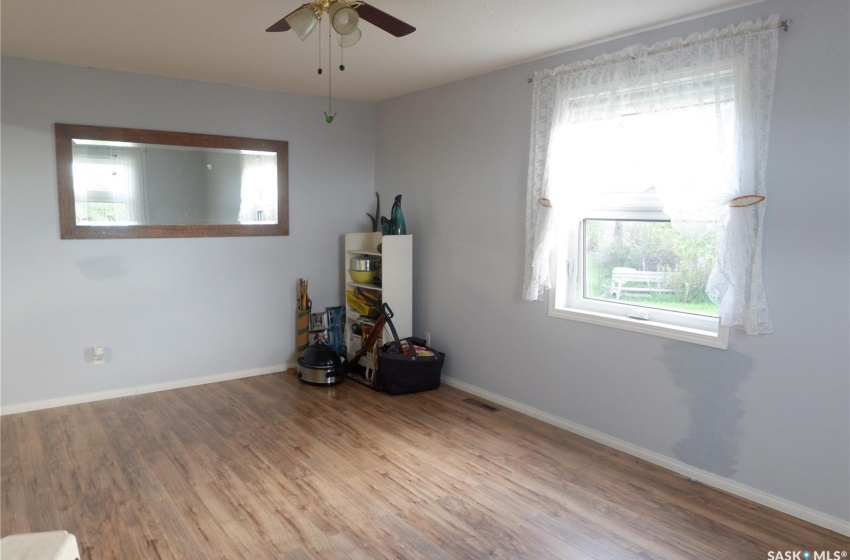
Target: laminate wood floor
(268, 467)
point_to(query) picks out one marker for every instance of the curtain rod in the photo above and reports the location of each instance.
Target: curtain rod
(783, 25)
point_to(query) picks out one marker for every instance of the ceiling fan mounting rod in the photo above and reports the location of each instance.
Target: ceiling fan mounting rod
(320, 7)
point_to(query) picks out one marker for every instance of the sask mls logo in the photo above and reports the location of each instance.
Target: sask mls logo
(806, 555)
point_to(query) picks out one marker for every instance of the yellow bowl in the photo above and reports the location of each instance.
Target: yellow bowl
(362, 276)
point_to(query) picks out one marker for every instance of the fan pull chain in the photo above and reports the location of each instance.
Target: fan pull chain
(320, 47)
(329, 118)
(341, 58)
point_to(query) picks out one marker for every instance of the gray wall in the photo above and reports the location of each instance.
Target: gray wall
(772, 411)
(165, 309)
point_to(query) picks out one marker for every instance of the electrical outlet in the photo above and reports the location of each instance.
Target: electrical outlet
(427, 339)
(98, 355)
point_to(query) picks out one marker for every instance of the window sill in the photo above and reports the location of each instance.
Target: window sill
(718, 339)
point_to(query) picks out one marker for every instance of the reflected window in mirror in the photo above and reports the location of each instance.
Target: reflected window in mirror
(117, 183)
(108, 183)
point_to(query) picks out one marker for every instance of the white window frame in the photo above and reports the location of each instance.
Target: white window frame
(98, 196)
(566, 300)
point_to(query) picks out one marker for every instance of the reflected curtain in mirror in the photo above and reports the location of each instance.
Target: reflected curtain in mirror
(259, 197)
(108, 185)
(126, 183)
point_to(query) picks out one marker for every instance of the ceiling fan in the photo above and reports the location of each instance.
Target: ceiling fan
(344, 16)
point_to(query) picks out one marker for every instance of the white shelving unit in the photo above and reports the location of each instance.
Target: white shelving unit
(396, 287)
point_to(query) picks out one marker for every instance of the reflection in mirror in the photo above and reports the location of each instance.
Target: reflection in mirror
(124, 183)
(141, 183)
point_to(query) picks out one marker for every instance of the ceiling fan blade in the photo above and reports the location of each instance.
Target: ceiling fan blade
(283, 25)
(385, 21)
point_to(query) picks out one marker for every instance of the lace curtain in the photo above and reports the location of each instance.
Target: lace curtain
(259, 189)
(104, 173)
(133, 182)
(713, 93)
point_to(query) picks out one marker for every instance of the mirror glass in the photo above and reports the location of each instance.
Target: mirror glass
(117, 182)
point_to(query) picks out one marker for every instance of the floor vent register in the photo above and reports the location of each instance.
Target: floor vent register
(479, 404)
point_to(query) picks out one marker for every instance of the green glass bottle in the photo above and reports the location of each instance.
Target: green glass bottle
(397, 225)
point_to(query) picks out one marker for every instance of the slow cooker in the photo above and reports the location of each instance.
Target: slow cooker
(319, 364)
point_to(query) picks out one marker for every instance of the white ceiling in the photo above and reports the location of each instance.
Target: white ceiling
(224, 41)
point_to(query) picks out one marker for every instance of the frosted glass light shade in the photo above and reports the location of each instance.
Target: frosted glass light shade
(345, 20)
(349, 40)
(303, 21)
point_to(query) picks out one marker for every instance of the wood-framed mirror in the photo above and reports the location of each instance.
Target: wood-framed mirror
(118, 183)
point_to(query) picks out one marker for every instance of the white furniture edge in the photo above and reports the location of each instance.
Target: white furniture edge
(140, 390)
(44, 545)
(397, 286)
(709, 479)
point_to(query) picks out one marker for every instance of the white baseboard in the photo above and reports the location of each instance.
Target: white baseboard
(141, 390)
(709, 479)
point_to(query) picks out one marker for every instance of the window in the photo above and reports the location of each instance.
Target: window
(644, 264)
(634, 160)
(624, 258)
(111, 179)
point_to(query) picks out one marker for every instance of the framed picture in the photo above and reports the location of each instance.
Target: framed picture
(318, 321)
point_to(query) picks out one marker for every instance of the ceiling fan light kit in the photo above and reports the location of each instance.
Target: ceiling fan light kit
(344, 18)
(349, 40)
(302, 21)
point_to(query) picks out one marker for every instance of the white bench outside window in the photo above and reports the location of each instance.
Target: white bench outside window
(624, 279)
